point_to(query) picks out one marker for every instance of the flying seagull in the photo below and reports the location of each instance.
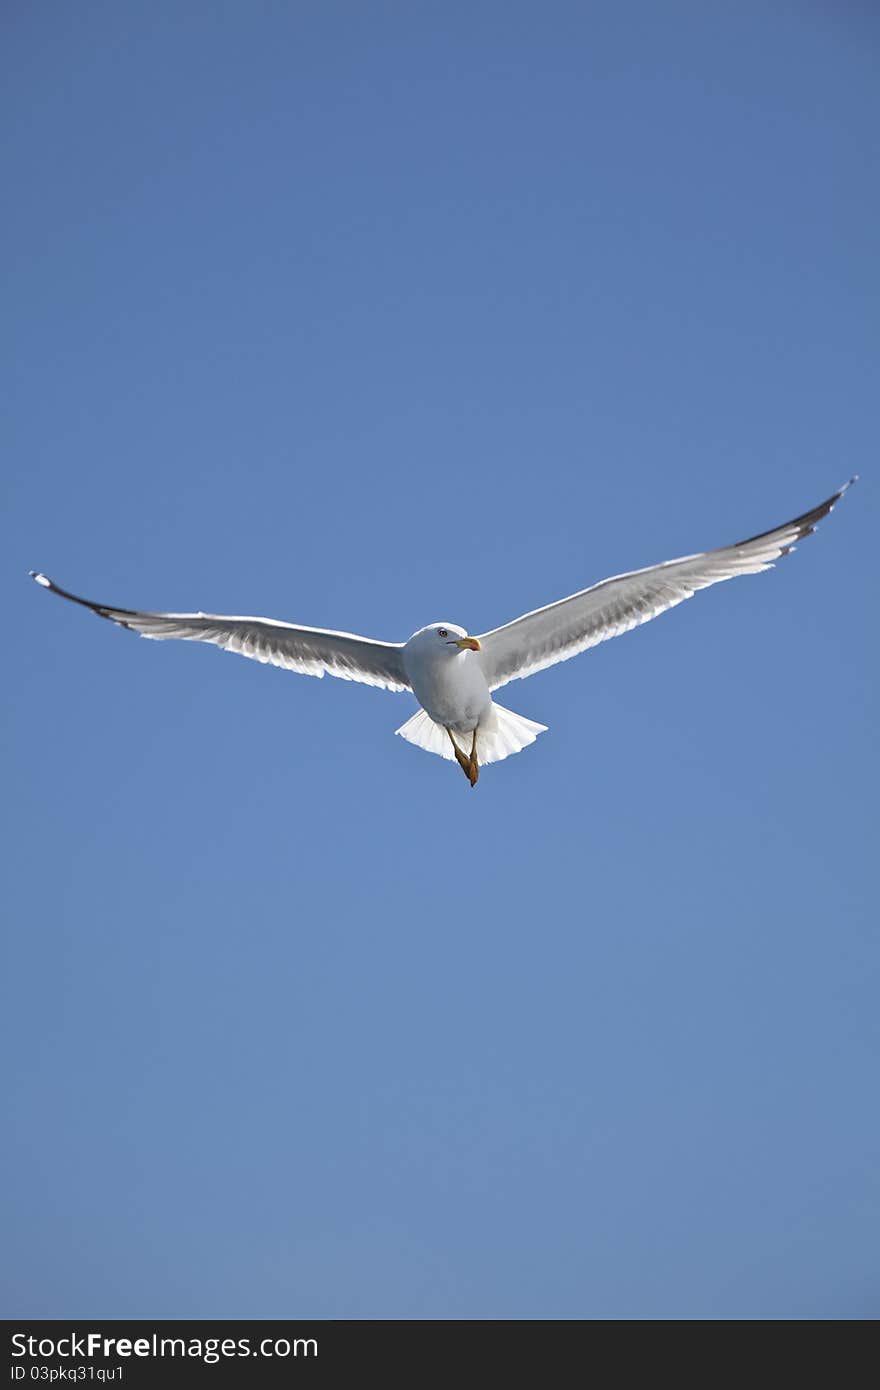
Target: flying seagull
(452, 675)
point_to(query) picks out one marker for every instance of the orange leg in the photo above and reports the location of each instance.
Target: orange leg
(469, 766)
(474, 769)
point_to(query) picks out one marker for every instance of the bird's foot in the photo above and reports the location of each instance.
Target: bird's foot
(469, 765)
(474, 769)
(463, 762)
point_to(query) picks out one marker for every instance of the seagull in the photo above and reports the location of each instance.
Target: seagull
(453, 676)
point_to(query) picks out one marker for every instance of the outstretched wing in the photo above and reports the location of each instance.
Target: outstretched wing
(309, 650)
(563, 629)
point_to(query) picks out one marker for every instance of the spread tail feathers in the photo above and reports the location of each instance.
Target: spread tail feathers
(500, 733)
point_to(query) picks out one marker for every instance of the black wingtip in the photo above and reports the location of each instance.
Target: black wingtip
(805, 525)
(102, 610)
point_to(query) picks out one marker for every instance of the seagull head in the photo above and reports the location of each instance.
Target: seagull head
(443, 638)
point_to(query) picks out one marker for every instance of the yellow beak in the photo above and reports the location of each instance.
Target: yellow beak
(470, 643)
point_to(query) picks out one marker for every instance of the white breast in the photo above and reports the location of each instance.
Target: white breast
(451, 689)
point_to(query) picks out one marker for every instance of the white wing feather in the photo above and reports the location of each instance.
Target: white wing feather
(563, 629)
(310, 650)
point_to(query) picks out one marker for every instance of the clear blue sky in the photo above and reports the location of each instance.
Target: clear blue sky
(364, 316)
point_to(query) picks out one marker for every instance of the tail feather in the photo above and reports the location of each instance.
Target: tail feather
(500, 734)
(505, 733)
(424, 733)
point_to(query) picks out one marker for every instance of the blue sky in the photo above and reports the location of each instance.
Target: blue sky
(366, 316)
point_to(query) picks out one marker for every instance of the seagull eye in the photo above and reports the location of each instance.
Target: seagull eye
(441, 632)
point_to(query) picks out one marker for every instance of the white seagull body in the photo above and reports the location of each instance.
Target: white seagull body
(452, 675)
